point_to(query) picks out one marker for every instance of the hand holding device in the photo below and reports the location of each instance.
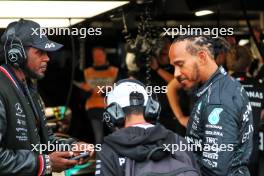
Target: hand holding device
(82, 155)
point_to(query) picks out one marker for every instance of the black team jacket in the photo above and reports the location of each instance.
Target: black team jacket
(21, 130)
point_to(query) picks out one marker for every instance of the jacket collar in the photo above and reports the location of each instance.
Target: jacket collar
(9, 73)
(220, 72)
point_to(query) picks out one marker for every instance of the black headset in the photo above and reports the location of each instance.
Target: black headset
(114, 115)
(15, 54)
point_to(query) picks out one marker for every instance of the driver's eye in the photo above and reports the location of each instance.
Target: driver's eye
(180, 64)
(40, 52)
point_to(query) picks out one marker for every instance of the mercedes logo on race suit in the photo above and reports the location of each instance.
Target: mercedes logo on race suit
(18, 108)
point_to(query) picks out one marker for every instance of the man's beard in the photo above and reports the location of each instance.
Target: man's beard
(196, 73)
(193, 78)
(31, 74)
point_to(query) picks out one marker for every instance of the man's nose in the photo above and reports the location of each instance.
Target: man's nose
(177, 73)
(46, 58)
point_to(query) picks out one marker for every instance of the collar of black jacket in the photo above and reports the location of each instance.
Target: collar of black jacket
(19, 85)
(220, 72)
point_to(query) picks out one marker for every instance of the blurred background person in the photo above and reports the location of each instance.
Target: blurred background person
(257, 49)
(161, 75)
(255, 91)
(98, 79)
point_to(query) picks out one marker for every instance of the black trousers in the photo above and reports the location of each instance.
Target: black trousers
(95, 117)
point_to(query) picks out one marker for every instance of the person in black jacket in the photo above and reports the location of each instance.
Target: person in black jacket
(27, 146)
(221, 122)
(255, 92)
(129, 109)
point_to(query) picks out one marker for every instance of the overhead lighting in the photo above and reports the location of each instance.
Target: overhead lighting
(203, 12)
(55, 9)
(45, 22)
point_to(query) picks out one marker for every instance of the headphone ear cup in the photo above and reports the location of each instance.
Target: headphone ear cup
(16, 55)
(114, 116)
(152, 110)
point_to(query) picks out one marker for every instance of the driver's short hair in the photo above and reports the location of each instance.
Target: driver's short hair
(198, 42)
(133, 110)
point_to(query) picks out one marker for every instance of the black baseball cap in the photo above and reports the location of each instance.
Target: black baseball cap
(30, 34)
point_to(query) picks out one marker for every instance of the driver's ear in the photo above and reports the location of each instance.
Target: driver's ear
(202, 57)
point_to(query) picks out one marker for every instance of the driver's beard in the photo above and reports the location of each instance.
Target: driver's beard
(31, 74)
(195, 78)
(196, 73)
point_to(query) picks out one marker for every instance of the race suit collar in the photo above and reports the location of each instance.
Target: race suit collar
(220, 72)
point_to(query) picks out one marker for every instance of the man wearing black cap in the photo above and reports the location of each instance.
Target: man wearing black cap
(24, 135)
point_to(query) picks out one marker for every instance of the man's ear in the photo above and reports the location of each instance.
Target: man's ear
(202, 56)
